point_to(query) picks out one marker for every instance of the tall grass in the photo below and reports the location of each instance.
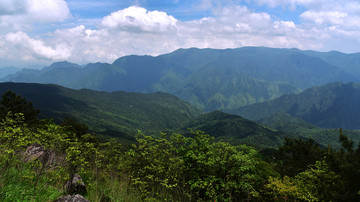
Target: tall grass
(17, 183)
(112, 188)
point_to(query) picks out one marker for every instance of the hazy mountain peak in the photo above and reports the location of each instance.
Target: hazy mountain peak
(62, 64)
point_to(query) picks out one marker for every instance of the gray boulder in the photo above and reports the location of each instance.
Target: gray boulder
(37, 151)
(72, 198)
(76, 185)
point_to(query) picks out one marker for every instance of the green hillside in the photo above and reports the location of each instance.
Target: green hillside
(237, 130)
(286, 122)
(116, 113)
(294, 125)
(334, 105)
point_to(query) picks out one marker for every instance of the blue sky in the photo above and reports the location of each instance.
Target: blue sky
(39, 32)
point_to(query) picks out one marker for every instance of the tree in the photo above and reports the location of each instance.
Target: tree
(295, 156)
(319, 183)
(347, 144)
(346, 162)
(154, 166)
(217, 170)
(15, 104)
(283, 188)
(75, 127)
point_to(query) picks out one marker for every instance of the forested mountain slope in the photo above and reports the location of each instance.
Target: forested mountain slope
(104, 112)
(334, 105)
(237, 130)
(296, 126)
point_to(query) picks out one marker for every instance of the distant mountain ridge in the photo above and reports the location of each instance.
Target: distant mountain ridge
(4, 71)
(208, 78)
(334, 105)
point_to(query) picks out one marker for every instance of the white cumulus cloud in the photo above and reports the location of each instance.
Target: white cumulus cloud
(325, 18)
(22, 14)
(139, 19)
(37, 48)
(48, 10)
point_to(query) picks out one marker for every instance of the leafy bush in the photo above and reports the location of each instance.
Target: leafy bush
(193, 167)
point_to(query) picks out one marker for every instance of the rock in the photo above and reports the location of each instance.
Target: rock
(76, 185)
(72, 198)
(37, 151)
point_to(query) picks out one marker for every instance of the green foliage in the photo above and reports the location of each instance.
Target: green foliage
(21, 180)
(217, 170)
(154, 166)
(16, 136)
(78, 154)
(10, 102)
(112, 188)
(295, 156)
(17, 184)
(283, 188)
(346, 143)
(74, 126)
(320, 174)
(319, 183)
(195, 166)
(346, 163)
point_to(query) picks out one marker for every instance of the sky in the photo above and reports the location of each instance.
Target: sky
(40, 32)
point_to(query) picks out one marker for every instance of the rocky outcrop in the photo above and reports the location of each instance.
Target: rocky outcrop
(37, 151)
(76, 185)
(72, 198)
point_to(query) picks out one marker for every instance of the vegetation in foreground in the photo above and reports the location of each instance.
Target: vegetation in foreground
(170, 167)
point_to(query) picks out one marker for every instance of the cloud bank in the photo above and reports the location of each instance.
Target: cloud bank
(323, 25)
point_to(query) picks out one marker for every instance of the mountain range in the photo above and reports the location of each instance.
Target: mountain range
(210, 79)
(4, 71)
